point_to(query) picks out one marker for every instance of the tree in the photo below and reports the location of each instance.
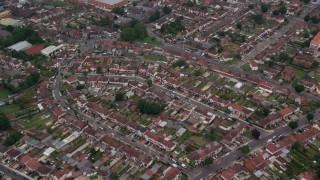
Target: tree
(149, 107)
(307, 18)
(166, 9)
(99, 70)
(155, 16)
(310, 117)
(299, 88)
(207, 161)
(4, 123)
(118, 10)
(315, 19)
(275, 12)
(120, 96)
(251, 6)
(245, 149)
(239, 26)
(128, 34)
(293, 124)
(258, 19)
(255, 133)
(149, 82)
(283, 9)
(264, 7)
(306, 1)
(140, 30)
(9, 28)
(12, 139)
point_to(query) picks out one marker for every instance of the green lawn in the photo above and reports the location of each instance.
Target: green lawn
(153, 57)
(212, 77)
(181, 154)
(35, 122)
(145, 122)
(149, 40)
(9, 109)
(246, 67)
(4, 93)
(299, 73)
(247, 133)
(317, 77)
(201, 141)
(184, 137)
(228, 123)
(201, 85)
(124, 170)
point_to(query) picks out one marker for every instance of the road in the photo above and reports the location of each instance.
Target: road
(12, 173)
(227, 160)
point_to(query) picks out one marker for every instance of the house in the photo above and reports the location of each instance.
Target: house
(286, 112)
(239, 110)
(160, 141)
(266, 86)
(62, 174)
(230, 137)
(315, 43)
(257, 162)
(172, 173)
(303, 60)
(208, 150)
(253, 65)
(236, 172)
(288, 74)
(270, 119)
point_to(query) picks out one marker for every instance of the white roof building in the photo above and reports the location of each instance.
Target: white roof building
(50, 50)
(11, 22)
(20, 46)
(48, 151)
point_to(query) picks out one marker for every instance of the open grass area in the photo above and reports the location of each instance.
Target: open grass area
(36, 121)
(153, 57)
(149, 40)
(247, 133)
(145, 122)
(9, 109)
(124, 170)
(181, 154)
(4, 93)
(201, 85)
(184, 137)
(212, 77)
(201, 141)
(299, 73)
(317, 77)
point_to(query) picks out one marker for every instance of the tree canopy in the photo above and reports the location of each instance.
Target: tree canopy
(12, 139)
(207, 161)
(4, 123)
(299, 88)
(245, 149)
(150, 107)
(293, 124)
(136, 30)
(256, 134)
(166, 9)
(310, 116)
(118, 10)
(120, 96)
(264, 7)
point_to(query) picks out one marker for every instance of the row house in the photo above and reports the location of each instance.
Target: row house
(239, 110)
(208, 150)
(112, 142)
(230, 137)
(219, 102)
(136, 155)
(266, 86)
(160, 141)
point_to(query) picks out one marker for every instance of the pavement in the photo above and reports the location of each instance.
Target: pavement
(12, 173)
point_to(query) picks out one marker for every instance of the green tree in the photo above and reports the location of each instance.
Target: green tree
(149, 82)
(4, 123)
(315, 19)
(293, 124)
(256, 134)
(251, 6)
(166, 9)
(258, 19)
(207, 161)
(275, 12)
(245, 149)
(140, 31)
(127, 34)
(310, 117)
(9, 28)
(12, 139)
(155, 16)
(239, 26)
(99, 70)
(264, 7)
(299, 88)
(149, 107)
(120, 96)
(118, 10)
(307, 18)
(283, 9)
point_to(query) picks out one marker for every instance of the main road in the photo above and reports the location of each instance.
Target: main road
(12, 173)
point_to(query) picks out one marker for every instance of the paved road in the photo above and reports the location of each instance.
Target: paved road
(12, 173)
(227, 160)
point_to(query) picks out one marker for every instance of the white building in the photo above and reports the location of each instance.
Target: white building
(51, 50)
(20, 46)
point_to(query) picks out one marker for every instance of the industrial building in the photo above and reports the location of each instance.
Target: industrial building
(107, 4)
(51, 50)
(20, 46)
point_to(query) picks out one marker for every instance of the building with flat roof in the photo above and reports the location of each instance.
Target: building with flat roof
(20, 46)
(107, 4)
(51, 50)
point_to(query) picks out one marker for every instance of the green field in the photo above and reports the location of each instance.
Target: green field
(35, 122)
(12, 108)
(184, 137)
(4, 93)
